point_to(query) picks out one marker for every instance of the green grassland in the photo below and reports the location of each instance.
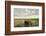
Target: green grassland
(31, 22)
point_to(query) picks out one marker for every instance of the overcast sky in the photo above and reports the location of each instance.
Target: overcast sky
(23, 12)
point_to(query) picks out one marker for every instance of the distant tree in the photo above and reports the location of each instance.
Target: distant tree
(26, 23)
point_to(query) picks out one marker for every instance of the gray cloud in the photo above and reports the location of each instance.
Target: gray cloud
(23, 12)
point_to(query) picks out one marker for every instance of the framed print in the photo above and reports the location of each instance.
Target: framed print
(24, 17)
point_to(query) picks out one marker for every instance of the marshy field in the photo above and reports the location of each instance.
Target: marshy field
(26, 22)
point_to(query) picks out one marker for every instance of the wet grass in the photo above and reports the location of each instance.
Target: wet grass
(20, 22)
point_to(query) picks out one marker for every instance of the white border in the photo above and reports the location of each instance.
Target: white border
(26, 28)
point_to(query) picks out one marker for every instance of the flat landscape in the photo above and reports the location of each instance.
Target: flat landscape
(26, 17)
(26, 22)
